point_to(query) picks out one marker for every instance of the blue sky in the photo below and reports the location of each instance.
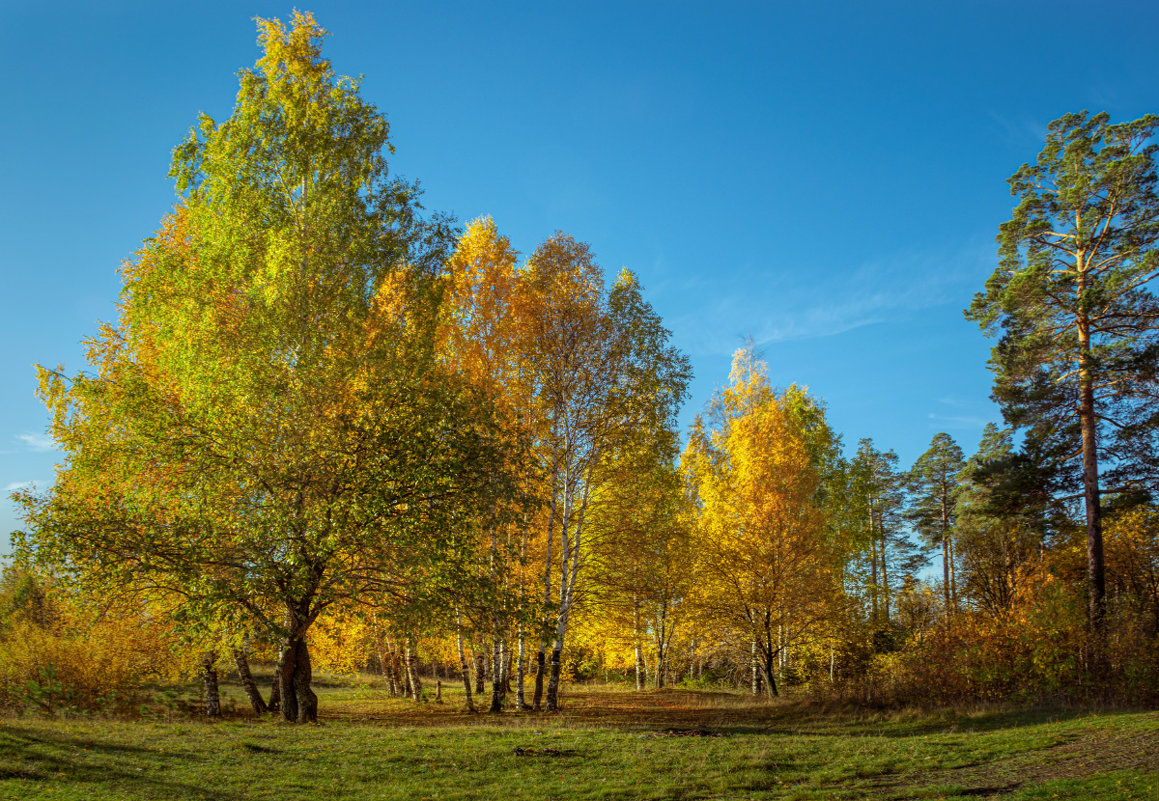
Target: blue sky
(827, 178)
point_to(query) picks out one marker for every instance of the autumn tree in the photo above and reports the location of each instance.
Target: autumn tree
(767, 565)
(480, 334)
(266, 432)
(1072, 299)
(643, 557)
(601, 366)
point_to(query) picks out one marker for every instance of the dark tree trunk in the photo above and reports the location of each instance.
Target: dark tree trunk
(553, 682)
(286, 664)
(275, 704)
(1096, 573)
(247, 682)
(463, 667)
(480, 672)
(497, 686)
(771, 679)
(303, 676)
(209, 676)
(537, 698)
(299, 703)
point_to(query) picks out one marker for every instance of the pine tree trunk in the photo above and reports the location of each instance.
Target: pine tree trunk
(946, 577)
(247, 682)
(884, 576)
(209, 677)
(873, 563)
(953, 578)
(1096, 576)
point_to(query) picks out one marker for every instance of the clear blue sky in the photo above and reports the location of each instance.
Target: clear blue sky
(827, 178)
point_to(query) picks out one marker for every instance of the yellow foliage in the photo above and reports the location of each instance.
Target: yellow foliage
(83, 668)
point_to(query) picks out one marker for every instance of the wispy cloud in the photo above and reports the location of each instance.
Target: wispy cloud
(37, 442)
(956, 414)
(783, 305)
(958, 421)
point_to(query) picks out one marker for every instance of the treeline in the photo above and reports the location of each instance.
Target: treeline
(330, 428)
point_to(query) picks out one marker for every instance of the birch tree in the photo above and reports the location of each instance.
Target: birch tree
(768, 567)
(600, 365)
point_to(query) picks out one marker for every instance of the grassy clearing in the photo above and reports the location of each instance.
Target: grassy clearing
(607, 744)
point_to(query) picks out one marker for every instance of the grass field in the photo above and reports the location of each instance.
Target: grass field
(608, 743)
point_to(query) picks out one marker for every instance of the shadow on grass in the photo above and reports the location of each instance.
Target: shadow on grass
(53, 758)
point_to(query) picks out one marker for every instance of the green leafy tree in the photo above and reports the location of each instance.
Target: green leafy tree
(933, 486)
(1072, 299)
(1007, 512)
(267, 433)
(879, 486)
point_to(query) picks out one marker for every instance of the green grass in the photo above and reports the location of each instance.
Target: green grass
(607, 744)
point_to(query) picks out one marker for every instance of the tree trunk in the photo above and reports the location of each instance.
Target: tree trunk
(636, 641)
(480, 672)
(873, 564)
(953, 579)
(466, 671)
(386, 662)
(286, 664)
(275, 704)
(497, 661)
(1096, 576)
(412, 672)
(640, 669)
(209, 676)
(553, 682)
(400, 668)
(756, 671)
(770, 677)
(520, 663)
(884, 576)
(303, 676)
(539, 669)
(946, 577)
(247, 682)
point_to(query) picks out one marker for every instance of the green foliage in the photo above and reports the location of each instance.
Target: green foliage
(1072, 299)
